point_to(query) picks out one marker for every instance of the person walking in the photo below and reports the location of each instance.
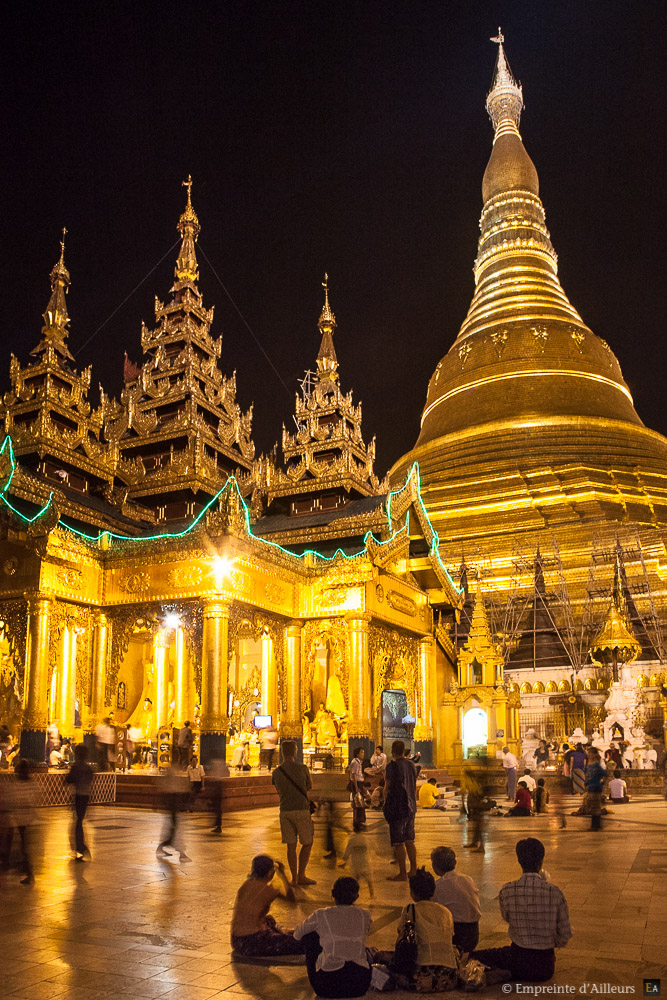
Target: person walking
(105, 736)
(578, 770)
(357, 789)
(268, 742)
(22, 802)
(334, 940)
(186, 740)
(594, 779)
(80, 775)
(400, 806)
(510, 765)
(537, 914)
(461, 897)
(195, 775)
(217, 770)
(357, 854)
(292, 782)
(477, 805)
(175, 788)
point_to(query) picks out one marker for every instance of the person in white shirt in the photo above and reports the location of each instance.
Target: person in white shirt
(531, 784)
(195, 774)
(56, 759)
(105, 736)
(618, 790)
(240, 757)
(334, 941)
(378, 762)
(461, 897)
(510, 765)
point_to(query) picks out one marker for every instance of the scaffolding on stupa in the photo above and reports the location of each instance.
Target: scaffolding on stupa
(636, 589)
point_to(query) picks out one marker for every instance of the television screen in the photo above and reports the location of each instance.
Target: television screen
(262, 721)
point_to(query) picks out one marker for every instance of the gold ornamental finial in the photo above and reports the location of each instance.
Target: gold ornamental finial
(55, 314)
(327, 362)
(187, 268)
(504, 102)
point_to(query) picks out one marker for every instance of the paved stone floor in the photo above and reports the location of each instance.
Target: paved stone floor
(127, 925)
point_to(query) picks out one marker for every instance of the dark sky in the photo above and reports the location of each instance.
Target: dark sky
(343, 136)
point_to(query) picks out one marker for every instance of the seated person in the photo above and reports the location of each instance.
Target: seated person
(460, 895)
(436, 969)
(56, 759)
(429, 794)
(377, 764)
(377, 795)
(523, 800)
(254, 930)
(537, 915)
(240, 757)
(529, 780)
(334, 940)
(541, 797)
(618, 790)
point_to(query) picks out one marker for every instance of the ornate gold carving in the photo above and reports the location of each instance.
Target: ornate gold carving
(379, 593)
(14, 628)
(245, 696)
(69, 577)
(185, 576)
(399, 602)
(274, 593)
(464, 351)
(578, 336)
(499, 340)
(394, 657)
(10, 565)
(540, 336)
(135, 583)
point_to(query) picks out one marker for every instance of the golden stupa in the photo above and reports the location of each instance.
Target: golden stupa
(529, 428)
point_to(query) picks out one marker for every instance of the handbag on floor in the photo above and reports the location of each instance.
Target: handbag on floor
(405, 952)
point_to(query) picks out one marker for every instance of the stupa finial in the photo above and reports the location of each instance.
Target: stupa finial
(55, 315)
(327, 362)
(187, 268)
(504, 102)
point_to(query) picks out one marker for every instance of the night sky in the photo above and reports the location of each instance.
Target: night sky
(349, 137)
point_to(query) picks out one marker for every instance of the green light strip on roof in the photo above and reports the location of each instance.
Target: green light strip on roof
(232, 484)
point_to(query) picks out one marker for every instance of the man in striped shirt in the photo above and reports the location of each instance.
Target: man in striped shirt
(537, 914)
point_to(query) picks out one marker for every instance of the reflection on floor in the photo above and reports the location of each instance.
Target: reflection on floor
(128, 925)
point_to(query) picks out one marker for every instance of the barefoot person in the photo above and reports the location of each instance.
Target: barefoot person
(400, 806)
(292, 782)
(254, 930)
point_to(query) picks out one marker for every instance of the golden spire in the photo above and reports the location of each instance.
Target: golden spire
(504, 102)
(327, 362)
(616, 641)
(55, 314)
(479, 625)
(189, 228)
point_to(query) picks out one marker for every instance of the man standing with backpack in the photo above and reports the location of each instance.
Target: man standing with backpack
(292, 782)
(400, 806)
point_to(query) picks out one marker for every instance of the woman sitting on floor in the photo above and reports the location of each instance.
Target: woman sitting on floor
(437, 958)
(254, 931)
(524, 803)
(334, 940)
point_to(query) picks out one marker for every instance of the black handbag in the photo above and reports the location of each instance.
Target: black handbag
(311, 805)
(405, 952)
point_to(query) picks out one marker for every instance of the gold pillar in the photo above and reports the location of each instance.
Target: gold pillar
(423, 723)
(182, 687)
(35, 710)
(214, 667)
(99, 667)
(291, 725)
(161, 676)
(359, 675)
(67, 681)
(269, 678)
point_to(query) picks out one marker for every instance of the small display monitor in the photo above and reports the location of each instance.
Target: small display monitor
(262, 721)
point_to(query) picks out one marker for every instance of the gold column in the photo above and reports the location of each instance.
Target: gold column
(359, 675)
(35, 711)
(67, 682)
(291, 725)
(99, 667)
(269, 678)
(214, 667)
(182, 687)
(424, 724)
(161, 675)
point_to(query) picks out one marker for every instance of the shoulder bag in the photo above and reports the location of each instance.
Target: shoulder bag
(405, 952)
(311, 805)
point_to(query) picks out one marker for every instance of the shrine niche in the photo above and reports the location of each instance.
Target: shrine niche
(324, 690)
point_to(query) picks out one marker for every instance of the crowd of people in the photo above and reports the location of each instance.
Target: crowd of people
(437, 932)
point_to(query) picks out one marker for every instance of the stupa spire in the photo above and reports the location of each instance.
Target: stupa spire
(479, 626)
(504, 102)
(327, 362)
(56, 318)
(187, 268)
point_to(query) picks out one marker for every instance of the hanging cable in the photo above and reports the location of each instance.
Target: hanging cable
(244, 320)
(127, 297)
